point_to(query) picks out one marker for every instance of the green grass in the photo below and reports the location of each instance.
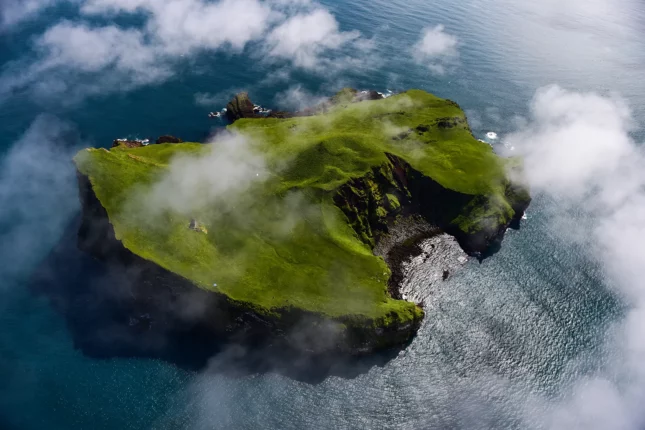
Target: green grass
(292, 246)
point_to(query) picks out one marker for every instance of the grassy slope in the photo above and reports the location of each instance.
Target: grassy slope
(317, 263)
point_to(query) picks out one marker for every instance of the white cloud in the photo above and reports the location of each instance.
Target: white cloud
(76, 60)
(576, 141)
(13, 12)
(578, 149)
(304, 38)
(297, 98)
(94, 49)
(435, 48)
(299, 32)
(218, 178)
(436, 42)
(37, 195)
(180, 27)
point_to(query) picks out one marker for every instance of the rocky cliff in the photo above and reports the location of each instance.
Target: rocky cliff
(373, 202)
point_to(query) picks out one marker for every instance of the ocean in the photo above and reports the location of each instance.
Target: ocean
(506, 343)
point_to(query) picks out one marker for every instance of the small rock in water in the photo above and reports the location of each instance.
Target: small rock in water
(445, 275)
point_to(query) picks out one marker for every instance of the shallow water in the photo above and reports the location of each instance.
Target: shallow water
(503, 340)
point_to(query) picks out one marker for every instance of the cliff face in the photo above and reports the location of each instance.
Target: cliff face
(372, 202)
(171, 305)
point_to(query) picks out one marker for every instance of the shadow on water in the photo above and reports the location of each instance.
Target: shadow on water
(496, 246)
(105, 325)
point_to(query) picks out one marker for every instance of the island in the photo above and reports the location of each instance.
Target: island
(292, 259)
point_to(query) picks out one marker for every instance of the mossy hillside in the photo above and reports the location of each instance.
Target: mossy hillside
(429, 133)
(316, 261)
(318, 265)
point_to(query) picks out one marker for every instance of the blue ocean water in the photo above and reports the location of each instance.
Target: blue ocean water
(505, 339)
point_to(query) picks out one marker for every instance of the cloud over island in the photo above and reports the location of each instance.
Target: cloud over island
(99, 54)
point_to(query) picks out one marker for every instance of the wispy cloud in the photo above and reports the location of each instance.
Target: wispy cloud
(37, 195)
(80, 58)
(216, 100)
(194, 183)
(296, 98)
(304, 38)
(579, 150)
(14, 12)
(435, 48)
(180, 27)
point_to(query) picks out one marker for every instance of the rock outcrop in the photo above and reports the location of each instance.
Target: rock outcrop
(240, 107)
(168, 139)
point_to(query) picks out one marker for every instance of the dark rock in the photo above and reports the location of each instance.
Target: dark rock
(447, 122)
(168, 139)
(240, 107)
(445, 275)
(422, 128)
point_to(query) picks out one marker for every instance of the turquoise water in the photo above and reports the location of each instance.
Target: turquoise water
(504, 340)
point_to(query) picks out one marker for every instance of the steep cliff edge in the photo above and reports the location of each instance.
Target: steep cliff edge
(291, 257)
(373, 202)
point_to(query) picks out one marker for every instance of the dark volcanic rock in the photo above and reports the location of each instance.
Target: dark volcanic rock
(240, 107)
(168, 139)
